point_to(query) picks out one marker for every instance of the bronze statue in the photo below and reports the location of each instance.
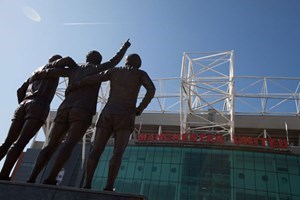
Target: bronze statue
(118, 115)
(34, 104)
(75, 113)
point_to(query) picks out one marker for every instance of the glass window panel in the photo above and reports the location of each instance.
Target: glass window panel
(220, 164)
(133, 154)
(165, 172)
(176, 155)
(270, 162)
(272, 196)
(130, 170)
(141, 153)
(197, 173)
(132, 187)
(106, 153)
(261, 180)
(285, 197)
(261, 195)
(272, 185)
(215, 152)
(96, 183)
(119, 184)
(102, 183)
(250, 195)
(283, 183)
(249, 179)
(238, 159)
(239, 178)
(127, 153)
(293, 166)
(295, 183)
(155, 171)
(184, 189)
(150, 154)
(245, 195)
(205, 151)
(238, 194)
(102, 169)
(174, 172)
(166, 191)
(177, 189)
(186, 153)
(195, 167)
(158, 155)
(217, 161)
(193, 191)
(186, 169)
(167, 155)
(151, 189)
(147, 171)
(220, 196)
(138, 172)
(227, 159)
(259, 161)
(202, 161)
(281, 163)
(122, 170)
(145, 188)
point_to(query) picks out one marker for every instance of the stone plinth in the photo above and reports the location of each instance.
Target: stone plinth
(25, 191)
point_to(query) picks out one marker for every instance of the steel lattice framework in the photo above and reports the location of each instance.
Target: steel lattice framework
(208, 95)
(207, 92)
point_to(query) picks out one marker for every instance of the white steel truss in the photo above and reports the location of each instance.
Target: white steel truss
(207, 92)
(267, 95)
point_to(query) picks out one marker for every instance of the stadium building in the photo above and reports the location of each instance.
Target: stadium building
(207, 135)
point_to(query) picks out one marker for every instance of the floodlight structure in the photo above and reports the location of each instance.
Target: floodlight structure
(207, 93)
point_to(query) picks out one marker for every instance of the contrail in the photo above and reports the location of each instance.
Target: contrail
(88, 23)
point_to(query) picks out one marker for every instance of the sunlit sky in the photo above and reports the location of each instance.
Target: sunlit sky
(264, 34)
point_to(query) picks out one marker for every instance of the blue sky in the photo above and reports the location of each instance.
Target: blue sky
(264, 34)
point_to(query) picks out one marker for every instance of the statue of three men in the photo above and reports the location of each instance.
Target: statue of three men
(75, 113)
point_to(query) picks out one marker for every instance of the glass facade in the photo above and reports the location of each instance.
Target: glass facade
(189, 173)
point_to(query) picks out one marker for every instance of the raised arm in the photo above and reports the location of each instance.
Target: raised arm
(56, 69)
(116, 59)
(54, 73)
(150, 92)
(63, 62)
(90, 80)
